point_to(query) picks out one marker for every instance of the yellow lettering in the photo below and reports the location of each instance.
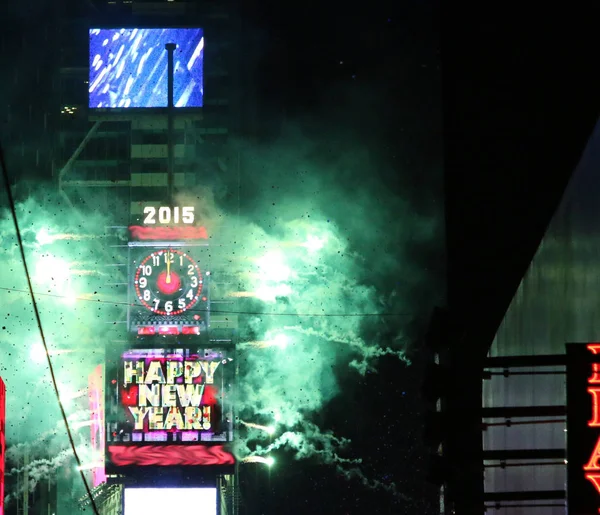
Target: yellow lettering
(168, 395)
(154, 374)
(190, 394)
(149, 394)
(138, 416)
(133, 369)
(156, 418)
(192, 370)
(193, 418)
(209, 371)
(174, 418)
(174, 370)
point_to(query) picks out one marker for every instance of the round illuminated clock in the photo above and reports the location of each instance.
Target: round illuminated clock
(168, 282)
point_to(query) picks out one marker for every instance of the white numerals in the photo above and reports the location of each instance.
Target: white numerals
(187, 214)
(168, 215)
(169, 306)
(180, 303)
(150, 213)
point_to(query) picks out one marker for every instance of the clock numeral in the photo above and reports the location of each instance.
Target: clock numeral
(169, 306)
(143, 282)
(194, 281)
(169, 257)
(155, 260)
(147, 270)
(180, 304)
(191, 270)
(190, 294)
(146, 295)
(156, 304)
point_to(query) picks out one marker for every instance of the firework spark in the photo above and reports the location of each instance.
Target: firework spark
(267, 429)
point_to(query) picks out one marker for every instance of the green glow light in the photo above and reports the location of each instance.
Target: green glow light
(51, 270)
(281, 340)
(314, 244)
(43, 237)
(273, 268)
(270, 293)
(37, 353)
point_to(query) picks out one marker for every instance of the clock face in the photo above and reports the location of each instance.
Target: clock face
(168, 282)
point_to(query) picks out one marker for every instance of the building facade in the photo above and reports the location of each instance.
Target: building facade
(524, 385)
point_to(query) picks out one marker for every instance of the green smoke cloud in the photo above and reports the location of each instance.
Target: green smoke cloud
(343, 270)
(337, 267)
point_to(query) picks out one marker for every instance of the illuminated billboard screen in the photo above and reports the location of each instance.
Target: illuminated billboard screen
(168, 289)
(583, 428)
(169, 407)
(128, 67)
(96, 404)
(194, 501)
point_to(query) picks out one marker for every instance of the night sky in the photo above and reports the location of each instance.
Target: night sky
(520, 99)
(375, 71)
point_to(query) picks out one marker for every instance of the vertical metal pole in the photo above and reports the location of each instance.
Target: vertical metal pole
(170, 47)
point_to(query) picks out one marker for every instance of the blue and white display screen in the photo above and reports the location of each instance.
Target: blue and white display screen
(129, 68)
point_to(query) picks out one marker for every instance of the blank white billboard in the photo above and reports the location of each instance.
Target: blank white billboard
(197, 501)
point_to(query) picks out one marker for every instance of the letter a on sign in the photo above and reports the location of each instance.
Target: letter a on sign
(593, 464)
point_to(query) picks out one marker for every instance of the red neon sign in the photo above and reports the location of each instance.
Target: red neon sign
(593, 464)
(594, 348)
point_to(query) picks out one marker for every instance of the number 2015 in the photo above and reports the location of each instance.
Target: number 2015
(167, 215)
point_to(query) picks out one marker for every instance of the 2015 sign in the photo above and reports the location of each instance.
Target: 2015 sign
(168, 215)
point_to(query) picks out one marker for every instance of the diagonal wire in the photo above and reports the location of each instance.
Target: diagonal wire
(38, 320)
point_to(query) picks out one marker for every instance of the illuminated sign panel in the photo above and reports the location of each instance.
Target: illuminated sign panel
(169, 407)
(583, 428)
(96, 403)
(169, 290)
(167, 223)
(2, 441)
(196, 501)
(128, 67)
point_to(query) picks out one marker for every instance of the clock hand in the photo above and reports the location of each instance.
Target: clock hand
(168, 278)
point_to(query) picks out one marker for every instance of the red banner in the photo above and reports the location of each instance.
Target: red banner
(185, 232)
(169, 455)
